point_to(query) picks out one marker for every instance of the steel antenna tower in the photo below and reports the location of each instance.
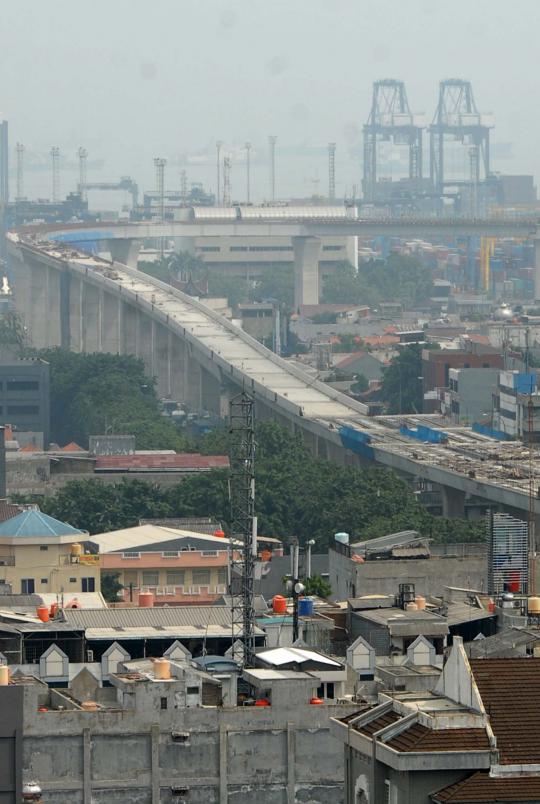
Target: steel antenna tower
(55, 159)
(83, 156)
(456, 117)
(243, 546)
(272, 143)
(248, 172)
(20, 171)
(331, 171)
(227, 162)
(219, 145)
(159, 165)
(390, 119)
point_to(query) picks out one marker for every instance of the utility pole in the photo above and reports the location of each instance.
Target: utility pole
(272, 142)
(227, 162)
(331, 171)
(55, 159)
(83, 155)
(219, 145)
(20, 171)
(243, 544)
(248, 168)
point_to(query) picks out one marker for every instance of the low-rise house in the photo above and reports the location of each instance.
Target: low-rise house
(473, 739)
(176, 566)
(41, 554)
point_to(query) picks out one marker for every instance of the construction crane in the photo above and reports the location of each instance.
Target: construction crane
(126, 183)
(243, 544)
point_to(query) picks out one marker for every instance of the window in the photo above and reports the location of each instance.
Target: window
(175, 578)
(73, 580)
(222, 576)
(170, 554)
(163, 703)
(43, 547)
(22, 385)
(201, 577)
(329, 689)
(28, 586)
(44, 580)
(150, 578)
(238, 248)
(210, 248)
(209, 553)
(131, 555)
(332, 248)
(88, 584)
(23, 410)
(192, 690)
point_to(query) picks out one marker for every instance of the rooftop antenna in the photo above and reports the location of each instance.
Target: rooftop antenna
(83, 155)
(332, 171)
(20, 171)
(219, 145)
(227, 181)
(272, 143)
(55, 159)
(243, 527)
(248, 170)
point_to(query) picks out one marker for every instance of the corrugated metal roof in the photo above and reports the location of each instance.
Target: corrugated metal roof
(280, 656)
(130, 539)
(166, 632)
(199, 617)
(35, 523)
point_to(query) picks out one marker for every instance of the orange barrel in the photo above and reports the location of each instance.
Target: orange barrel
(43, 613)
(262, 702)
(162, 669)
(316, 701)
(146, 600)
(279, 604)
(219, 533)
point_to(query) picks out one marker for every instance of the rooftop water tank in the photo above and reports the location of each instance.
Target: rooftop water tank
(411, 607)
(420, 601)
(341, 537)
(4, 675)
(146, 600)
(162, 669)
(305, 607)
(279, 604)
(533, 605)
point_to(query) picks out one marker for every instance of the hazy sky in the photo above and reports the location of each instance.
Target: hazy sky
(131, 80)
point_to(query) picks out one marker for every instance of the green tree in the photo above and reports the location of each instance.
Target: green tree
(12, 332)
(402, 383)
(316, 585)
(360, 385)
(111, 586)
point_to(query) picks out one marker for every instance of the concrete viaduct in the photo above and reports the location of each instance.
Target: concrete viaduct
(84, 303)
(306, 234)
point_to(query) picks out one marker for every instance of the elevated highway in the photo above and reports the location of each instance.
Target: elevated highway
(306, 233)
(88, 304)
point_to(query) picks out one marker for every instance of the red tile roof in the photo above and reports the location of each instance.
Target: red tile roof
(379, 723)
(72, 447)
(187, 462)
(8, 510)
(420, 738)
(480, 788)
(510, 691)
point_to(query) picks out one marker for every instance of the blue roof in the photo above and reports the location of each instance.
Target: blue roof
(35, 523)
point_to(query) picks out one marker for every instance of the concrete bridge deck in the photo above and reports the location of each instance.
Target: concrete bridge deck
(85, 303)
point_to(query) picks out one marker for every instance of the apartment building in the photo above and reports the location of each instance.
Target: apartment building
(177, 566)
(41, 554)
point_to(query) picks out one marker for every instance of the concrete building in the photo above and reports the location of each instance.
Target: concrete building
(515, 390)
(473, 739)
(41, 554)
(470, 397)
(173, 735)
(24, 397)
(178, 567)
(436, 365)
(461, 565)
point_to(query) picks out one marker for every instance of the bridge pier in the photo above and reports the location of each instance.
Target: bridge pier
(124, 251)
(38, 323)
(109, 309)
(453, 503)
(307, 251)
(91, 319)
(145, 341)
(76, 313)
(129, 329)
(162, 360)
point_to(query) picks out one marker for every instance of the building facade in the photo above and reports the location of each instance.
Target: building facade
(24, 397)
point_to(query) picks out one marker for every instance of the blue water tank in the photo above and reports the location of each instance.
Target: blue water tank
(305, 607)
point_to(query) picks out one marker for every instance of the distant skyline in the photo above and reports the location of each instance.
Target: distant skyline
(131, 81)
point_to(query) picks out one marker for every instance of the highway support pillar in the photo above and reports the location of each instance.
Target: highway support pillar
(307, 251)
(453, 503)
(125, 251)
